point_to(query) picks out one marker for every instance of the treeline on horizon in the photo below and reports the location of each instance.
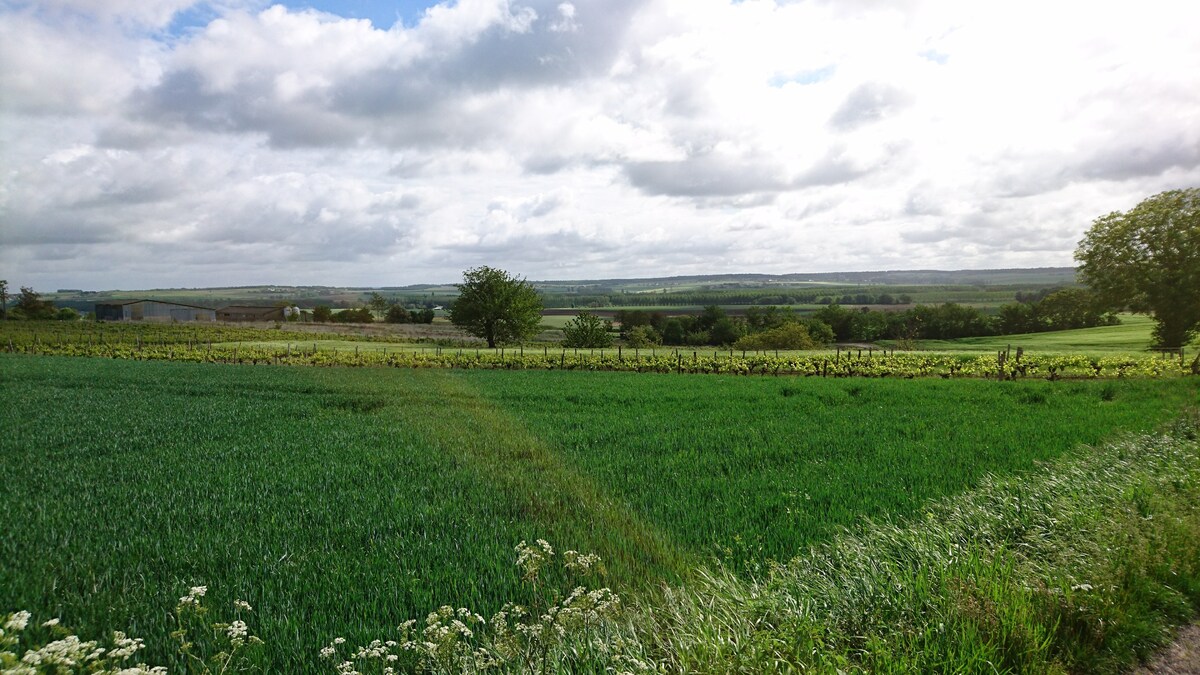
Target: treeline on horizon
(774, 327)
(847, 295)
(601, 297)
(762, 297)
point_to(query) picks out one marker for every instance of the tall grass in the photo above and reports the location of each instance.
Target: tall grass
(1082, 568)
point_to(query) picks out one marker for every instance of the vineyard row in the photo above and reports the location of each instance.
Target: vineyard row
(845, 364)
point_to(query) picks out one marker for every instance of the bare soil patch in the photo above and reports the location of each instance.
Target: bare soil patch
(1182, 657)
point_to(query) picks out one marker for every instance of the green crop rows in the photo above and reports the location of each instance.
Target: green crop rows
(148, 335)
(857, 363)
(343, 501)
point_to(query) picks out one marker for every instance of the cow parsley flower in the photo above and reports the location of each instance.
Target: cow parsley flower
(18, 621)
(237, 630)
(193, 596)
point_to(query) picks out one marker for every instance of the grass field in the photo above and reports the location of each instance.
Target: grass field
(1133, 335)
(669, 310)
(342, 501)
(556, 321)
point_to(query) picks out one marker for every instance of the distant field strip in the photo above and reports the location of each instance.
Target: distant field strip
(342, 501)
(1132, 335)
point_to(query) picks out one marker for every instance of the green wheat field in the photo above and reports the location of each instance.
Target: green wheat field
(340, 502)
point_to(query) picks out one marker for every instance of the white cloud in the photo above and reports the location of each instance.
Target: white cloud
(137, 13)
(583, 138)
(48, 69)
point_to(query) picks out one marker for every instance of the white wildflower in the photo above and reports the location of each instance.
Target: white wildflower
(193, 596)
(237, 630)
(580, 563)
(242, 605)
(125, 646)
(69, 652)
(531, 559)
(18, 621)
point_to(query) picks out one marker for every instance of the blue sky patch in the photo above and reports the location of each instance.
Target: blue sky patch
(382, 13)
(804, 76)
(935, 56)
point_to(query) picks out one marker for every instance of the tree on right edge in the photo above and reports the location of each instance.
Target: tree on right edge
(1148, 260)
(496, 306)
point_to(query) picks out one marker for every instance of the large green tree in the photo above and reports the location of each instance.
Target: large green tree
(1148, 260)
(496, 306)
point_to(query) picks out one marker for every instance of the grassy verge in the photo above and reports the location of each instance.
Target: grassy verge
(1084, 569)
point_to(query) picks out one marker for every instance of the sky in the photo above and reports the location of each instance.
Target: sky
(186, 143)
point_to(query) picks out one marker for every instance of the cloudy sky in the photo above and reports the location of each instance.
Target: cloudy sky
(151, 143)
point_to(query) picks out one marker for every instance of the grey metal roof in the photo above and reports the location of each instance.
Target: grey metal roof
(161, 302)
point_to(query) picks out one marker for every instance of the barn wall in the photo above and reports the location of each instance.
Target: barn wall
(150, 310)
(165, 311)
(108, 312)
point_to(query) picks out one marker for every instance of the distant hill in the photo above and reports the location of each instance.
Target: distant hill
(1046, 276)
(923, 285)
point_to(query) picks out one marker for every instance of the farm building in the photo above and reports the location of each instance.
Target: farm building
(153, 310)
(250, 313)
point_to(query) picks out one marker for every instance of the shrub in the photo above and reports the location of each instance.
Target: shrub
(30, 306)
(787, 336)
(587, 330)
(819, 331)
(357, 315)
(674, 331)
(724, 332)
(643, 336)
(396, 314)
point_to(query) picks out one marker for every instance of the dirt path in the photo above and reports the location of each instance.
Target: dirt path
(1181, 658)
